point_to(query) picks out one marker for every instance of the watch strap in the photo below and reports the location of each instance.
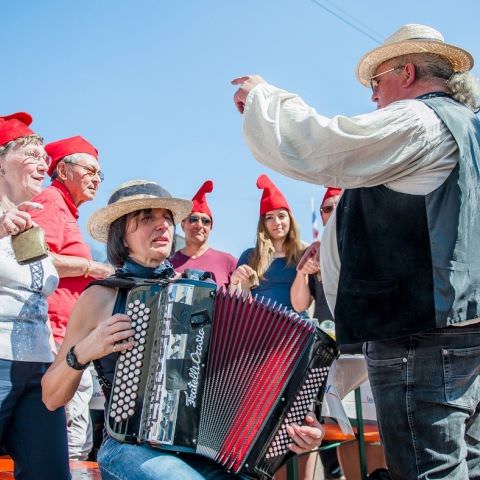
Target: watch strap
(73, 362)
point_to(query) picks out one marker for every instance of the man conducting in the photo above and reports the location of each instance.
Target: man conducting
(399, 258)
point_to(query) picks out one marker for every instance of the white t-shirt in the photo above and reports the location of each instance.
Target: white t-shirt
(25, 333)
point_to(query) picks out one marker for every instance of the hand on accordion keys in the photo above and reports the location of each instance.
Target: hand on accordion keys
(305, 437)
(111, 335)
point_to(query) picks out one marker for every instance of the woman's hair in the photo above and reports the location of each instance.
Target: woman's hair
(20, 142)
(263, 253)
(117, 251)
(463, 86)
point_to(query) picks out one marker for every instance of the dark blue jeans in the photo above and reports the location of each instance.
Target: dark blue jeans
(33, 436)
(427, 395)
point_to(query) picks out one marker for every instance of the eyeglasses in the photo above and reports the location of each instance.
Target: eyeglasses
(91, 172)
(37, 158)
(327, 209)
(192, 219)
(374, 83)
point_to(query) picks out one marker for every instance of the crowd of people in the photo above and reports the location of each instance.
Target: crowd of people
(396, 269)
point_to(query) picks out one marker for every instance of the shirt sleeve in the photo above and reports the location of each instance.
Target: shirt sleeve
(289, 136)
(51, 219)
(244, 257)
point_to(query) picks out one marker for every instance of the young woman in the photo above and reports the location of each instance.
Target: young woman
(138, 227)
(269, 269)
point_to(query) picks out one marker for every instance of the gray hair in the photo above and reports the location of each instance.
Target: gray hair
(20, 142)
(463, 86)
(74, 158)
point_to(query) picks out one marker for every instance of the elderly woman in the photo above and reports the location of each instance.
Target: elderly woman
(34, 436)
(138, 226)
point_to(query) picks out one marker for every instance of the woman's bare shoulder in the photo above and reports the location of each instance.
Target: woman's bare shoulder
(93, 304)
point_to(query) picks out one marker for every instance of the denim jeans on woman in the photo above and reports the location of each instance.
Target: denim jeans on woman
(427, 395)
(35, 437)
(122, 461)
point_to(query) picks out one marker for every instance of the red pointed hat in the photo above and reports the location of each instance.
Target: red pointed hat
(68, 146)
(199, 201)
(272, 197)
(331, 192)
(15, 126)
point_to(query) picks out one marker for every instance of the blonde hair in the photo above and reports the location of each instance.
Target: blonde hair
(263, 253)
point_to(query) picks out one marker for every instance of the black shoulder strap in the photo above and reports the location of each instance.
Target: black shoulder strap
(115, 281)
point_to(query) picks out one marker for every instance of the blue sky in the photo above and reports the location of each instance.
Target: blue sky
(148, 83)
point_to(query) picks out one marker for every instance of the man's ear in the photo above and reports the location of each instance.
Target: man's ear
(61, 171)
(182, 224)
(410, 74)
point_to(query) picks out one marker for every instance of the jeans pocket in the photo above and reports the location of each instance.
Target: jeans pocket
(394, 363)
(461, 370)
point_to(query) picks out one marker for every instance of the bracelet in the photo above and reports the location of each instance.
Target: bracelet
(88, 269)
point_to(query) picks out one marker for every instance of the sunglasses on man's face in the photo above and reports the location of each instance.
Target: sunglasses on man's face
(192, 219)
(327, 209)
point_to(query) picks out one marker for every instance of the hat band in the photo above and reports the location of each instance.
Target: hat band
(144, 189)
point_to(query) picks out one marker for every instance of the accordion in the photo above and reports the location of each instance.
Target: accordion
(216, 374)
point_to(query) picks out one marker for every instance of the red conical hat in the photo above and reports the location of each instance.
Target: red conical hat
(331, 192)
(272, 197)
(199, 201)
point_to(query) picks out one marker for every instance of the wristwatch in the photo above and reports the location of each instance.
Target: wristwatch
(73, 362)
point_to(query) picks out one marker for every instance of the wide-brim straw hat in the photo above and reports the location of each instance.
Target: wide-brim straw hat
(408, 39)
(130, 197)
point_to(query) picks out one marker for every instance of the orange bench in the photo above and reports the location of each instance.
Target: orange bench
(80, 470)
(333, 433)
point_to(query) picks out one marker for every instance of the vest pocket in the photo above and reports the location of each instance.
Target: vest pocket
(370, 288)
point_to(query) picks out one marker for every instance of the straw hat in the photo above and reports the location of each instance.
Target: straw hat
(412, 38)
(130, 197)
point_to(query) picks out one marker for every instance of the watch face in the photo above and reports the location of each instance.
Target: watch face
(70, 359)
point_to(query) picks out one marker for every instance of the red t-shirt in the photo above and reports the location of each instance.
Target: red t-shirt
(59, 221)
(221, 264)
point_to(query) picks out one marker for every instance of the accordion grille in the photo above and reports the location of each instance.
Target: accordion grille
(257, 346)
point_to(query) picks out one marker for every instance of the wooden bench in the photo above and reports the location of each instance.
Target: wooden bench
(80, 470)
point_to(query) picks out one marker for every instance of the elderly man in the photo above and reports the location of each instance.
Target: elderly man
(76, 176)
(197, 254)
(406, 278)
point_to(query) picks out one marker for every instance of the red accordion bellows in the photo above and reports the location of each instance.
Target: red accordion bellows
(256, 350)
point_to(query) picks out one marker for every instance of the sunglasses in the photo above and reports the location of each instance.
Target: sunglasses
(327, 209)
(192, 219)
(373, 80)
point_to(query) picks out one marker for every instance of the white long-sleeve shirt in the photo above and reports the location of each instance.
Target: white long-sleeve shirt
(403, 146)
